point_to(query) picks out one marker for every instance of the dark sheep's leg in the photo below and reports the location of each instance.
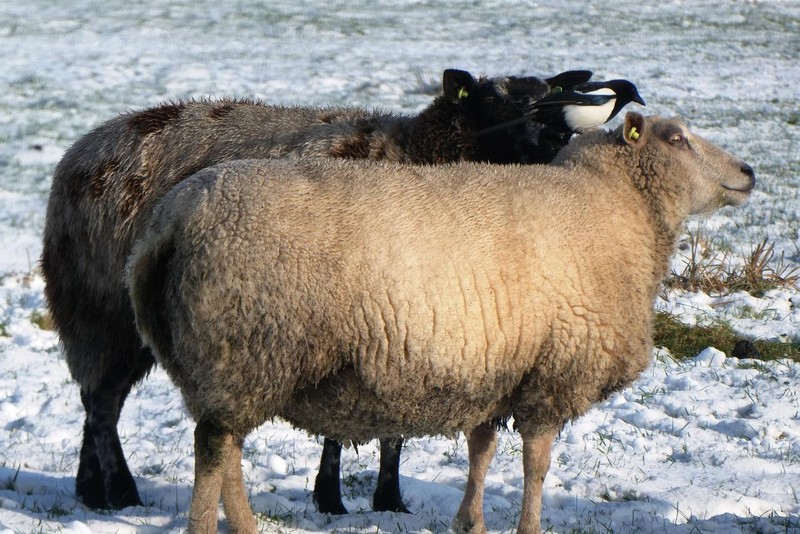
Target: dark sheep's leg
(327, 487)
(89, 485)
(387, 496)
(103, 407)
(103, 415)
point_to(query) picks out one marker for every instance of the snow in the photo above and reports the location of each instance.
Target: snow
(711, 444)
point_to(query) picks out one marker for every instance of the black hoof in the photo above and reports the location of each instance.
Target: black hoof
(118, 502)
(389, 503)
(327, 505)
(89, 487)
(91, 497)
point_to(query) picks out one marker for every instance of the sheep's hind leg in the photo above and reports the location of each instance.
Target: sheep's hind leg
(234, 496)
(104, 479)
(387, 496)
(327, 486)
(89, 485)
(212, 450)
(536, 451)
(481, 446)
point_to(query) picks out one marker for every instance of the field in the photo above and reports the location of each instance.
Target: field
(709, 443)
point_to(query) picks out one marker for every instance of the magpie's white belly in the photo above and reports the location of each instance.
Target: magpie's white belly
(581, 118)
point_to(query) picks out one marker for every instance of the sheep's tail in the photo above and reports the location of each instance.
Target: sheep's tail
(148, 272)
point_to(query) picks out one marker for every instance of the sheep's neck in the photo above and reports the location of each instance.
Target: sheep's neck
(666, 203)
(666, 200)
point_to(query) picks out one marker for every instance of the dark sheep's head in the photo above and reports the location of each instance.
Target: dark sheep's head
(492, 111)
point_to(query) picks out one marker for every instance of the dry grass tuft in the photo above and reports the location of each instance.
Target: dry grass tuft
(716, 273)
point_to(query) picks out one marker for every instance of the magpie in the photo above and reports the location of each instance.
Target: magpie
(584, 106)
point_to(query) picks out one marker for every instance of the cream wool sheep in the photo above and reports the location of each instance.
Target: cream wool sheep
(318, 290)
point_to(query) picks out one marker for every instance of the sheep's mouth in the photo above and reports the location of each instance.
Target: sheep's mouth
(733, 196)
(744, 189)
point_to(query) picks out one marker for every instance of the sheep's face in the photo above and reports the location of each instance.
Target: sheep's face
(714, 178)
(489, 102)
(492, 101)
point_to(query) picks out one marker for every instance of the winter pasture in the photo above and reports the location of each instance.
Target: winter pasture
(705, 444)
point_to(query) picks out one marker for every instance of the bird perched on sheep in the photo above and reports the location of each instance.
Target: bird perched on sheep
(571, 109)
(107, 183)
(585, 106)
(318, 290)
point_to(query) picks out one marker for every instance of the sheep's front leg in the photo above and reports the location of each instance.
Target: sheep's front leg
(535, 463)
(327, 486)
(387, 496)
(212, 448)
(481, 445)
(234, 495)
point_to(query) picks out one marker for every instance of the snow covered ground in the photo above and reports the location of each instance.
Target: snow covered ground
(707, 445)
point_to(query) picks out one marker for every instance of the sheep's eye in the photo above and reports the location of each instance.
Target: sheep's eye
(677, 139)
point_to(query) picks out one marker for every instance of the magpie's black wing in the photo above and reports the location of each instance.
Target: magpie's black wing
(575, 98)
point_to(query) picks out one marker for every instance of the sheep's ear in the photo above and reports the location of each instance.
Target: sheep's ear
(634, 132)
(458, 84)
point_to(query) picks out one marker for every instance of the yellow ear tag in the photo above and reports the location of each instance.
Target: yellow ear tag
(462, 93)
(633, 134)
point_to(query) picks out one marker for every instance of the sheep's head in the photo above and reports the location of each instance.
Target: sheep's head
(714, 177)
(486, 103)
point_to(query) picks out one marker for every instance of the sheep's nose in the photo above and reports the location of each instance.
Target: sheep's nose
(748, 170)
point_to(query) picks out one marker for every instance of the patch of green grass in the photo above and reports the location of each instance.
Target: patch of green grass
(58, 509)
(685, 341)
(280, 517)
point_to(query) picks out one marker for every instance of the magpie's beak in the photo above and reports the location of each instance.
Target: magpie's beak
(639, 100)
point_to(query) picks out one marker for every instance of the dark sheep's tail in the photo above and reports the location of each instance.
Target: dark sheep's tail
(148, 273)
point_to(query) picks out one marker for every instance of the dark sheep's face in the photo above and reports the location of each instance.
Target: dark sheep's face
(496, 101)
